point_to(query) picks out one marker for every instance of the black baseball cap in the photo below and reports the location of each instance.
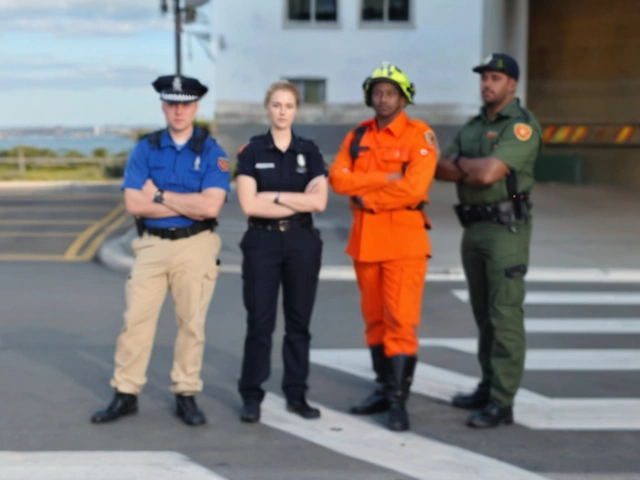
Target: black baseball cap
(500, 62)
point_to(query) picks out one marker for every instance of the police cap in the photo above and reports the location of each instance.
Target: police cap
(179, 89)
(500, 62)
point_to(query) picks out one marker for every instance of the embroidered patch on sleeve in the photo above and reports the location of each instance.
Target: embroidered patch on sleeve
(431, 139)
(522, 131)
(242, 148)
(223, 164)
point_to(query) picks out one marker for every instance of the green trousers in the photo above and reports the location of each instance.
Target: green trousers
(495, 259)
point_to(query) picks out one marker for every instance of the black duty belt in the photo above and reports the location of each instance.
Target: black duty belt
(297, 221)
(178, 233)
(503, 213)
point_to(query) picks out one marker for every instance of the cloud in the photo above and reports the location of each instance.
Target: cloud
(82, 17)
(41, 73)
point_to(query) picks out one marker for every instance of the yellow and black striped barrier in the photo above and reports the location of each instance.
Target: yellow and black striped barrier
(592, 135)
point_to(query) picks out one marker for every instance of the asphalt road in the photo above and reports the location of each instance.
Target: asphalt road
(60, 322)
(577, 415)
(59, 223)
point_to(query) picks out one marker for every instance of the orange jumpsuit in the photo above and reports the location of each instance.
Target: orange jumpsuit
(388, 241)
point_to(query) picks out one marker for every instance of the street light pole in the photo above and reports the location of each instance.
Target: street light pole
(177, 12)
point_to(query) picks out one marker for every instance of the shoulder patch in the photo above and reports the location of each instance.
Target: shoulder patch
(241, 149)
(223, 164)
(522, 131)
(430, 137)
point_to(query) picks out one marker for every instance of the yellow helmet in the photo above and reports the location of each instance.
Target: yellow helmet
(392, 74)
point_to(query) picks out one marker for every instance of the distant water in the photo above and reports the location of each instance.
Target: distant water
(61, 143)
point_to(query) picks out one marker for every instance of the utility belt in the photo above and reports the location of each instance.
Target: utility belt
(301, 220)
(504, 213)
(177, 233)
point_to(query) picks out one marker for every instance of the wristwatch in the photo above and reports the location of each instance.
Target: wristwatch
(158, 197)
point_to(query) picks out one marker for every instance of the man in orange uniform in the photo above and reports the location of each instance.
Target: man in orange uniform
(386, 166)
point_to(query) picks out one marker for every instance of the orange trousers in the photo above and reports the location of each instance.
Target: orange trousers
(391, 300)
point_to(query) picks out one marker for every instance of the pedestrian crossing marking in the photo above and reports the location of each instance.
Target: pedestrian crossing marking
(101, 465)
(570, 298)
(532, 409)
(583, 325)
(406, 453)
(545, 359)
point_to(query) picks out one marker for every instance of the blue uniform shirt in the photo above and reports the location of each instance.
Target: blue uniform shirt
(278, 171)
(177, 169)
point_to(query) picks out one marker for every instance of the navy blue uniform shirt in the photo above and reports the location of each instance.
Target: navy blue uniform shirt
(177, 169)
(276, 171)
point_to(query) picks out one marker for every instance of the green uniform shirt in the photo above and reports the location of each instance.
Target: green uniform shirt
(514, 137)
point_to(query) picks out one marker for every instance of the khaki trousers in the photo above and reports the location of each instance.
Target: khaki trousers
(188, 268)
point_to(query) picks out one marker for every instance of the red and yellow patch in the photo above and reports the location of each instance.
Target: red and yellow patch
(223, 164)
(522, 131)
(432, 141)
(242, 148)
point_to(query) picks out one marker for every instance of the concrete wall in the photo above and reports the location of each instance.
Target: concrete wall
(258, 46)
(584, 61)
(584, 68)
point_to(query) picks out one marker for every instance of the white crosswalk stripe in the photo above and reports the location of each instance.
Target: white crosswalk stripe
(531, 409)
(571, 298)
(101, 466)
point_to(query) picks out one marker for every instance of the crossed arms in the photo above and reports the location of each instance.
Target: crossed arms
(478, 172)
(262, 204)
(197, 206)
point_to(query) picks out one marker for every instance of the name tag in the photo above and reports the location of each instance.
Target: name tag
(265, 165)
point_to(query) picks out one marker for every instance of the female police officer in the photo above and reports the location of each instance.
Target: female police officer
(281, 179)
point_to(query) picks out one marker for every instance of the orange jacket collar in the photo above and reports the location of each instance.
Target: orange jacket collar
(399, 124)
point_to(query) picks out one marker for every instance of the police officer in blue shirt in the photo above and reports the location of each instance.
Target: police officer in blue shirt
(281, 180)
(175, 183)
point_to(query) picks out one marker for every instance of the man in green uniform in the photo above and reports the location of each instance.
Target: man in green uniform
(491, 161)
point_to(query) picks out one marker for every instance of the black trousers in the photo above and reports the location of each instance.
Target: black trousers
(270, 259)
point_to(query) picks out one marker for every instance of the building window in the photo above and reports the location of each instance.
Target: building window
(386, 10)
(312, 90)
(312, 11)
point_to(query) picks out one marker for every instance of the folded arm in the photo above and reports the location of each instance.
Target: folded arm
(314, 198)
(254, 205)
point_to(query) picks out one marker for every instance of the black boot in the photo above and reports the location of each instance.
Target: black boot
(376, 402)
(492, 415)
(401, 368)
(188, 411)
(473, 401)
(121, 405)
(250, 412)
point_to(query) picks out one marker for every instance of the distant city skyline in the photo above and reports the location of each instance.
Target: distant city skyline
(85, 63)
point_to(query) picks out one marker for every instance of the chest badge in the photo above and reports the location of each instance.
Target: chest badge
(301, 163)
(491, 134)
(196, 163)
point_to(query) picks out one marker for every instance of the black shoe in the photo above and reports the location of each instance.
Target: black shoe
(250, 412)
(302, 408)
(121, 405)
(375, 403)
(188, 411)
(492, 415)
(472, 401)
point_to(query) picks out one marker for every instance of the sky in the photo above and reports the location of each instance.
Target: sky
(81, 63)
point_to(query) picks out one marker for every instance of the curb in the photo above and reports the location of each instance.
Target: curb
(20, 184)
(113, 254)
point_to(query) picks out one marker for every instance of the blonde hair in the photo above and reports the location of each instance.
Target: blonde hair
(282, 85)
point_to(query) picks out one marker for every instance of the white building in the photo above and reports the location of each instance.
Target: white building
(328, 47)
